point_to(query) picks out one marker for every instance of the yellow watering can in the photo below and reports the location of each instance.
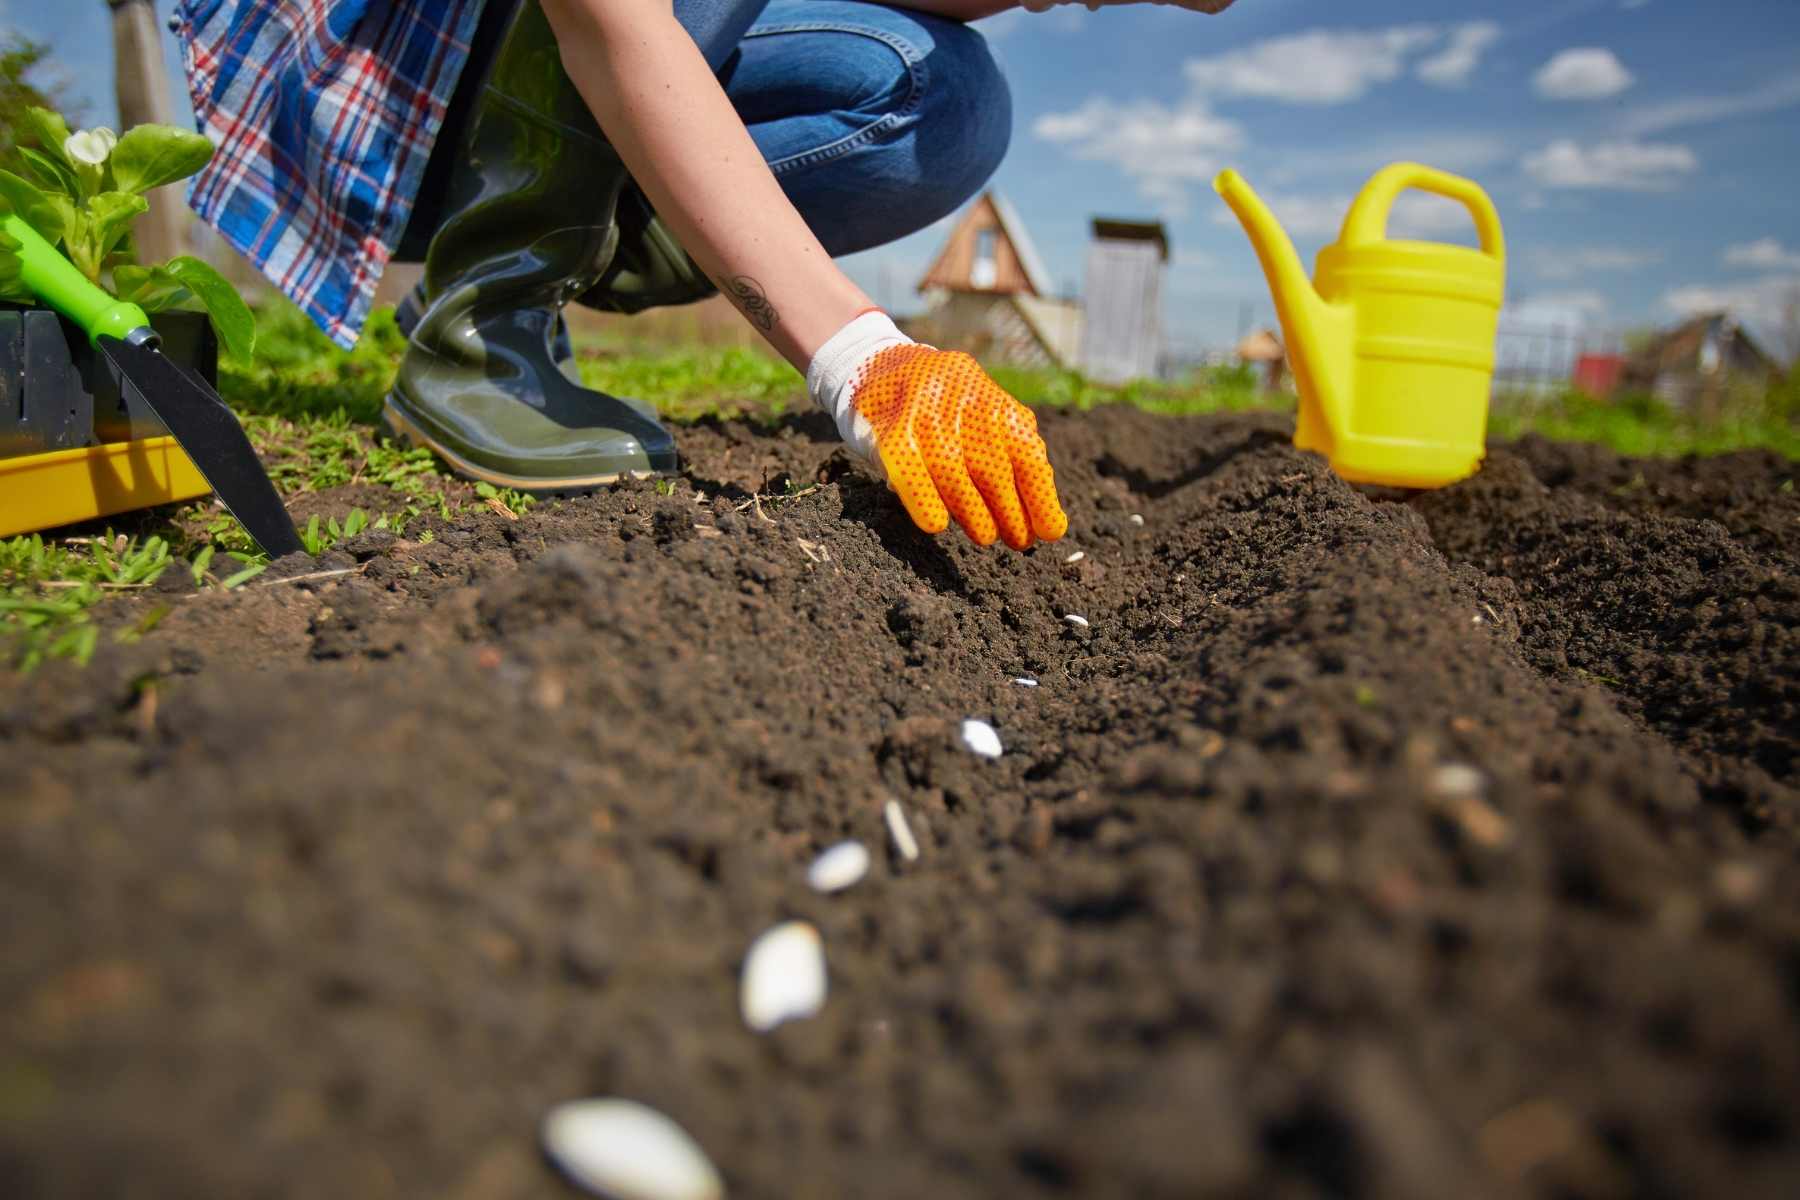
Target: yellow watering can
(1392, 344)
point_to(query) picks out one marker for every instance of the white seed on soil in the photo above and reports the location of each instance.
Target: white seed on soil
(1023, 682)
(1076, 557)
(1456, 780)
(980, 738)
(1073, 619)
(621, 1149)
(1137, 518)
(904, 842)
(839, 867)
(784, 976)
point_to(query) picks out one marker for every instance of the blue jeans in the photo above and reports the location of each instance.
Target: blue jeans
(877, 121)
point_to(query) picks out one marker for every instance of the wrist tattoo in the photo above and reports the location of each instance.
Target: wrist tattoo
(753, 302)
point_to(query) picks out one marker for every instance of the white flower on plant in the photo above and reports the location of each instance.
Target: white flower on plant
(91, 146)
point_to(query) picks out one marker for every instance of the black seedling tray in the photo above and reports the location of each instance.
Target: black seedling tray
(56, 395)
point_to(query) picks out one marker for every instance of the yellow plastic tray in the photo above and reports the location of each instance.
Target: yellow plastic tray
(42, 491)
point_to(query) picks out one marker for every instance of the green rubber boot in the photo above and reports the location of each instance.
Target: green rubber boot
(562, 349)
(528, 223)
(649, 269)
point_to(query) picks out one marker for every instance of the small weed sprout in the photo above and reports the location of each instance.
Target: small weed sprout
(47, 591)
(317, 539)
(202, 561)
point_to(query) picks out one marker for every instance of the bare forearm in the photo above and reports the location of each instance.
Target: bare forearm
(684, 144)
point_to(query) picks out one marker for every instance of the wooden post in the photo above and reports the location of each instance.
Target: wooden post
(141, 79)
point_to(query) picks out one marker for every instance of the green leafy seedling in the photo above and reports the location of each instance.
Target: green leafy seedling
(84, 191)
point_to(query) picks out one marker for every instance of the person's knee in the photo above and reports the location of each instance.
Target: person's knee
(965, 125)
(926, 117)
(952, 98)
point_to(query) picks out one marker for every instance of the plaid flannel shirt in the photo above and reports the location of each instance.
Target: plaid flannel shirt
(323, 113)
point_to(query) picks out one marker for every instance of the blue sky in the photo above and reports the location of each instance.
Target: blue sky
(1643, 153)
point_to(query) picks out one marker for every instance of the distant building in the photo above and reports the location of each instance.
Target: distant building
(1123, 295)
(1598, 375)
(1262, 349)
(1694, 364)
(987, 293)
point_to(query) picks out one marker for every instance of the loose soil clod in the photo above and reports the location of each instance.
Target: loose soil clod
(332, 889)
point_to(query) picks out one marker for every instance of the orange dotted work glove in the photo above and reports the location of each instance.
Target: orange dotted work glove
(951, 442)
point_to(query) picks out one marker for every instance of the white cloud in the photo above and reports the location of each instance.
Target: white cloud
(1585, 73)
(1571, 263)
(1557, 310)
(1455, 63)
(1422, 215)
(1765, 253)
(1319, 66)
(1415, 215)
(1468, 153)
(1302, 216)
(1164, 149)
(1625, 165)
(1769, 303)
(1773, 96)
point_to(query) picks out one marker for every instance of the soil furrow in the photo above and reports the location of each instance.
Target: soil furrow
(1356, 845)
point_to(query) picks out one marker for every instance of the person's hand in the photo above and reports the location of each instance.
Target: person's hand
(949, 439)
(1204, 6)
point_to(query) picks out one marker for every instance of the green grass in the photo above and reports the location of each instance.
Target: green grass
(48, 589)
(313, 411)
(689, 384)
(1643, 426)
(1213, 389)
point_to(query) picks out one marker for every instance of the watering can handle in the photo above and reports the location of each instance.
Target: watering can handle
(1368, 217)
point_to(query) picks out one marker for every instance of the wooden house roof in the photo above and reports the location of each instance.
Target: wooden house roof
(1114, 229)
(1264, 345)
(1017, 267)
(1680, 348)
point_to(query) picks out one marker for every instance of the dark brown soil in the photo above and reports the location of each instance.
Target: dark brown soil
(1362, 845)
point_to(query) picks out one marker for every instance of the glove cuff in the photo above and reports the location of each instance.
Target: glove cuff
(832, 376)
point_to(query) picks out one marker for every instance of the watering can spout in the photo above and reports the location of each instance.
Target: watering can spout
(1287, 277)
(1317, 333)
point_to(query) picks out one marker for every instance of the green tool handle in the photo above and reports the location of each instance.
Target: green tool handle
(54, 280)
